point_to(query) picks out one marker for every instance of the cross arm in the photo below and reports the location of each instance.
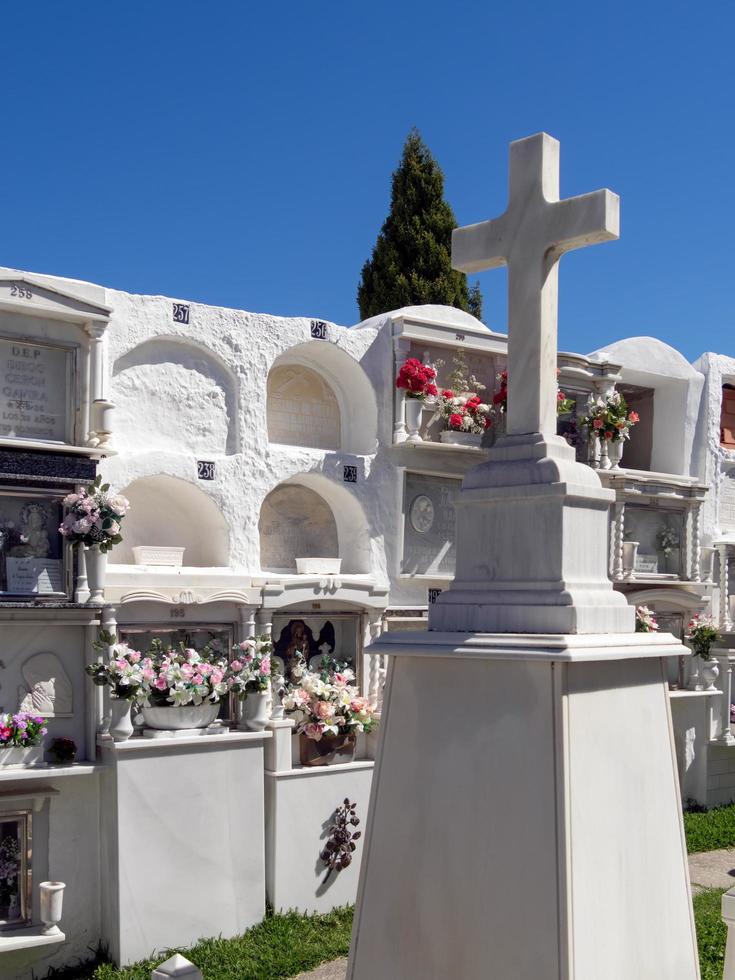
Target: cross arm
(584, 220)
(481, 246)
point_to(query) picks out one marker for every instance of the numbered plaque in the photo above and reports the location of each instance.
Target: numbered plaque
(205, 469)
(318, 330)
(181, 313)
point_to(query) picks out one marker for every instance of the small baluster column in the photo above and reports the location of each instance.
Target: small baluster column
(618, 537)
(96, 376)
(375, 627)
(694, 539)
(725, 622)
(726, 737)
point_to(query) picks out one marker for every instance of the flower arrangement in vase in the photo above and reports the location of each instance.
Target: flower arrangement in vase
(174, 688)
(609, 420)
(251, 674)
(329, 712)
(645, 620)
(93, 520)
(564, 405)
(701, 633)
(21, 739)
(667, 540)
(417, 380)
(464, 416)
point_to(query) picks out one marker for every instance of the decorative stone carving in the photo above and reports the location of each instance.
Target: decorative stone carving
(48, 690)
(429, 525)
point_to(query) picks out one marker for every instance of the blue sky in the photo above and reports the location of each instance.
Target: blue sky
(240, 154)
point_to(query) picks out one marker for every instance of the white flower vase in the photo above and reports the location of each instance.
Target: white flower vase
(630, 552)
(605, 463)
(709, 671)
(414, 408)
(52, 900)
(256, 711)
(706, 563)
(615, 453)
(96, 564)
(121, 724)
(593, 449)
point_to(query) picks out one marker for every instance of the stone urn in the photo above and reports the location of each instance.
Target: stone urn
(615, 452)
(255, 711)
(414, 408)
(455, 438)
(328, 750)
(52, 900)
(95, 562)
(709, 671)
(174, 718)
(630, 553)
(121, 724)
(706, 563)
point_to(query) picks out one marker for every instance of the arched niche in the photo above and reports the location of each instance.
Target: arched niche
(309, 516)
(302, 408)
(173, 394)
(173, 513)
(342, 412)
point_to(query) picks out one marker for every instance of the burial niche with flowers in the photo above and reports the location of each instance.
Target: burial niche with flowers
(33, 558)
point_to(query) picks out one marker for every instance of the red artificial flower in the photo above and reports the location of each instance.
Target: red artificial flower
(560, 396)
(487, 422)
(432, 390)
(634, 417)
(447, 393)
(473, 402)
(500, 396)
(597, 424)
(608, 434)
(455, 420)
(5, 733)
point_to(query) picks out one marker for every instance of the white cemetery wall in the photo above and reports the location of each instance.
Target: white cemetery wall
(727, 498)
(299, 807)
(302, 409)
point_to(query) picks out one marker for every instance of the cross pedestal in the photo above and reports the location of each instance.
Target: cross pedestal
(525, 817)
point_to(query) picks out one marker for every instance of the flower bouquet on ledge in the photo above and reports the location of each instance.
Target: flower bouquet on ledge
(465, 417)
(329, 713)
(21, 739)
(93, 518)
(417, 381)
(645, 620)
(609, 420)
(251, 673)
(701, 633)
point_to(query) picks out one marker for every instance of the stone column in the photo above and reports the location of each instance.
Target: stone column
(694, 541)
(618, 538)
(401, 350)
(98, 714)
(726, 737)
(97, 380)
(375, 627)
(725, 623)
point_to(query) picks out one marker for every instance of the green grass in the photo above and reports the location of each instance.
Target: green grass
(711, 933)
(281, 946)
(710, 830)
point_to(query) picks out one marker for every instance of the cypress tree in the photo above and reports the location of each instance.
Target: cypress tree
(411, 260)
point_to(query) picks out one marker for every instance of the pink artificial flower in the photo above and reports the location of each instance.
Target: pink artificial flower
(597, 424)
(160, 683)
(135, 656)
(236, 665)
(198, 679)
(265, 667)
(324, 710)
(313, 730)
(216, 677)
(341, 679)
(359, 705)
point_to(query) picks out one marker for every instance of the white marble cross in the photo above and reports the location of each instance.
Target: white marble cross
(530, 238)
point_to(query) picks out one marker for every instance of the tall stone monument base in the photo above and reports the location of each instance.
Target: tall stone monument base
(525, 819)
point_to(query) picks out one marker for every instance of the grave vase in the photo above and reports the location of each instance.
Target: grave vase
(96, 564)
(605, 462)
(706, 563)
(615, 453)
(52, 900)
(255, 711)
(329, 749)
(709, 671)
(630, 552)
(414, 408)
(121, 724)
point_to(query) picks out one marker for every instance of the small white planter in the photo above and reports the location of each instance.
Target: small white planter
(461, 438)
(52, 900)
(16, 757)
(318, 566)
(121, 724)
(255, 711)
(158, 555)
(630, 552)
(615, 452)
(179, 717)
(96, 564)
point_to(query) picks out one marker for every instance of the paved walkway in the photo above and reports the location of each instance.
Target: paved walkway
(327, 971)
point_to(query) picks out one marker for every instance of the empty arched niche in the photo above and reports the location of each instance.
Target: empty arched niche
(302, 408)
(320, 396)
(179, 394)
(310, 517)
(168, 512)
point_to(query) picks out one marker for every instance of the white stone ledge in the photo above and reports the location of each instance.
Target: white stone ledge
(695, 694)
(28, 939)
(320, 770)
(46, 773)
(158, 745)
(540, 647)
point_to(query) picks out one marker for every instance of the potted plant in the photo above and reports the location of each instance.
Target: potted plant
(63, 751)
(127, 673)
(609, 420)
(329, 713)
(701, 633)
(21, 739)
(417, 381)
(645, 620)
(465, 418)
(92, 519)
(251, 672)
(185, 689)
